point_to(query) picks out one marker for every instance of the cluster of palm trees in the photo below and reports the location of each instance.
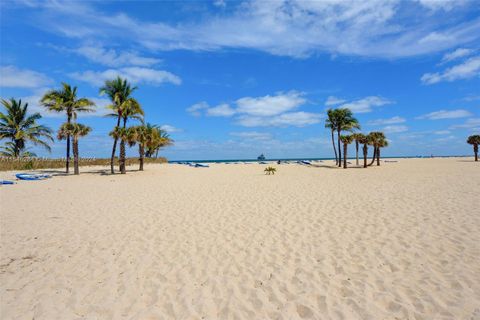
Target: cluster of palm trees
(19, 127)
(342, 120)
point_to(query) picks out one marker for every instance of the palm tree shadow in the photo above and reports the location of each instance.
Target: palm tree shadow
(466, 160)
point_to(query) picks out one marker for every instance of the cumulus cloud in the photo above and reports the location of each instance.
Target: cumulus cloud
(222, 110)
(270, 105)
(13, 77)
(366, 104)
(445, 114)
(374, 28)
(196, 109)
(170, 129)
(133, 74)
(391, 120)
(270, 110)
(465, 70)
(332, 101)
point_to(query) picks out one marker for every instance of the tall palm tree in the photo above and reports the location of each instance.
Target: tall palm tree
(131, 109)
(73, 131)
(65, 100)
(331, 123)
(377, 140)
(19, 127)
(345, 121)
(346, 140)
(363, 139)
(119, 91)
(357, 137)
(475, 141)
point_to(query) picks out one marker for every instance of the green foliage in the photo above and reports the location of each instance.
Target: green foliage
(270, 170)
(20, 128)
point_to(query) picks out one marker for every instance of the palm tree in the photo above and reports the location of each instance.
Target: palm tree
(377, 140)
(363, 139)
(119, 91)
(344, 122)
(158, 139)
(381, 144)
(331, 123)
(65, 100)
(19, 127)
(74, 131)
(8, 150)
(475, 141)
(346, 140)
(357, 137)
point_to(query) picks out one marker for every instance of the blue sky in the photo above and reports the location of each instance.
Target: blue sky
(236, 79)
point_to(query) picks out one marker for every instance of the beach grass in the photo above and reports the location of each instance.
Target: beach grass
(11, 164)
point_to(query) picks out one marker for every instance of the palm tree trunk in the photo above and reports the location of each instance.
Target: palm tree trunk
(121, 163)
(356, 146)
(75, 156)
(475, 150)
(67, 163)
(365, 154)
(378, 156)
(122, 157)
(156, 153)
(16, 149)
(339, 150)
(334, 148)
(345, 146)
(114, 148)
(374, 155)
(141, 150)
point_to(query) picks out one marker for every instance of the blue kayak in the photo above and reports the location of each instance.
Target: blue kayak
(6, 182)
(31, 176)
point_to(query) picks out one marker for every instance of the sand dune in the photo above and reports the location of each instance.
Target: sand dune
(397, 242)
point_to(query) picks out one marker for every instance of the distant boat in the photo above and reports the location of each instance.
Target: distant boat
(261, 157)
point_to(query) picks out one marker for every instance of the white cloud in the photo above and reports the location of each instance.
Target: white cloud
(366, 104)
(270, 105)
(219, 3)
(222, 110)
(170, 129)
(252, 135)
(472, 123)
(195, 110)
(296, 119)
(332, 101)
(112, 58)
(133, 74)
(445, 114)
(391, 120)
(457, 54)
(290, 28)
(13, 77)
(446, 5)
(395, 129)
(441, 132)
(270, 110)
(468, 69)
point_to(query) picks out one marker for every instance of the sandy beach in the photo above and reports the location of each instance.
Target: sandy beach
(400, 241)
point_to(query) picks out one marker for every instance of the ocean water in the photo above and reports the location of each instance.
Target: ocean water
(288, 159)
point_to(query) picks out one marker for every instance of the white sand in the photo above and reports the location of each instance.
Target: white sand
(400, 241)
